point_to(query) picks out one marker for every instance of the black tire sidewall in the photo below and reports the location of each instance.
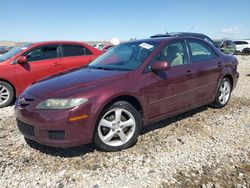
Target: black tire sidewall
(217, 102)
(127, 106)
(11, 91)
(246, 51)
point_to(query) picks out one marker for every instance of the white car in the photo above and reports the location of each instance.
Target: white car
(242, 46)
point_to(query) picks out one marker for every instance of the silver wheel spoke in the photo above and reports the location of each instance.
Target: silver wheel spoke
(2, 89)
(128, 123)
(4, 94)
(106, 123)
(118, 114)
(109, 136)
(4, 97)
(122, 136)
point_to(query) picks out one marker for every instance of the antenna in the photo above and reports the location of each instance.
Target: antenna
(165, 29)
(191, 28)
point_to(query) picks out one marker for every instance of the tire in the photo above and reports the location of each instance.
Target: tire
(118, 127)
(246, 51)
(7, 94)
(223, 94)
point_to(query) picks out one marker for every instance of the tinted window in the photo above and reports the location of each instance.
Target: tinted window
(201, 51)
(229, 43)
(126, 56)
(75, 50)
(173, 54)
(13, 52)
(240, 42)
(42, 53)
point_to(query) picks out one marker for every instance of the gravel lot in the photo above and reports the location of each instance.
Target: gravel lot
(204, 148)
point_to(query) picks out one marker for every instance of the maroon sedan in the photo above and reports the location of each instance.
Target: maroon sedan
(131, 86)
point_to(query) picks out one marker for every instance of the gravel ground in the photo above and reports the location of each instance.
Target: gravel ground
(204, 148)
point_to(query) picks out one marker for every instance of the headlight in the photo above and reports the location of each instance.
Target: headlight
(59, 104)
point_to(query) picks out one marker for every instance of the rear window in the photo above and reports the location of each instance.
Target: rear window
(74, 50)
(240, 42)
(201, 51)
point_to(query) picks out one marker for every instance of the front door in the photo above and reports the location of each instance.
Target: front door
(170, 90)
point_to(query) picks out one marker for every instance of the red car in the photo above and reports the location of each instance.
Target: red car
(132, 85)
(24, 65)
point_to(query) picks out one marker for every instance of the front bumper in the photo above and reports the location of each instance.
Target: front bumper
(52, 128)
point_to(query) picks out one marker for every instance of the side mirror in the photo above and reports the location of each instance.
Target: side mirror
(160, 65)
(22, 60)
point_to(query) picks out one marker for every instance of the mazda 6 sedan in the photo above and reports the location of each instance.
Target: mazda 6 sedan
(131, 86)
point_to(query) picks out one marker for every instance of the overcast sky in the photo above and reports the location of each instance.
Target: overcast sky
(34, 20)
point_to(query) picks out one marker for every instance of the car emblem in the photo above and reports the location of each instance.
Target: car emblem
(21, 100)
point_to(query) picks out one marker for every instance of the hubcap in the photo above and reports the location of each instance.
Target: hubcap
(116, 127)
(225, 90)
(4, 94)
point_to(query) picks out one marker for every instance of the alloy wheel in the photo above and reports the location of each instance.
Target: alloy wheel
(225, 90)
(4, 94)
(116, 127)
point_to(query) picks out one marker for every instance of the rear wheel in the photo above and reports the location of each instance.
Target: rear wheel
(6, 94)
(246, 51)
(223, 94)
(118, 127)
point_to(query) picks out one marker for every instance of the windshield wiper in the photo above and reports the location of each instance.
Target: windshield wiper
(99, 67)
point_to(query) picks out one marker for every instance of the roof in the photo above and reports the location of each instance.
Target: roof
(177, 34)
(56, 42)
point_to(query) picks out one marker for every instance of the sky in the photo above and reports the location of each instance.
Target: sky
(39, 20)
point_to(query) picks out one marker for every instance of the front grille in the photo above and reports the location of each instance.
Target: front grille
(56, 135)
(23, 101)
(25, 128)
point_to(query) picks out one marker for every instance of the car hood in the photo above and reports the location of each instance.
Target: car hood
(72, 80)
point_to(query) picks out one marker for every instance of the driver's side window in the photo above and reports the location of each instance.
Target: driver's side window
(35, 55)
(42, 53)
(172, 53)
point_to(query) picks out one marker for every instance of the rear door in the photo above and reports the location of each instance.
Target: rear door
(43, 61)
(75, 55)
(208, 65)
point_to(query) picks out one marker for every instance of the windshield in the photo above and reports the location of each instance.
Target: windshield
(124, 57)
(13, 52)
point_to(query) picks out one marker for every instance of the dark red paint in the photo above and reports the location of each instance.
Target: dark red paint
(160, 94)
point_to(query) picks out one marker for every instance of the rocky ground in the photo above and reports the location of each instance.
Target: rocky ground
(204, 148)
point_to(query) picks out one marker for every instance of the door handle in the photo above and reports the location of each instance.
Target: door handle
(189, 73)
(219, 64)
(57, 64)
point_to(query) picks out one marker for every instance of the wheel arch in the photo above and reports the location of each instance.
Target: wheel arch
(230, 77)
(245, 50)
(127, 98)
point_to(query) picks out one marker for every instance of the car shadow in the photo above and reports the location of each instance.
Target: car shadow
(173, 119)
(82, 150)
(61, 152)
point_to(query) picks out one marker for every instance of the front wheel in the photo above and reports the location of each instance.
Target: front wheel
(7, 94)
(118, 127)
(223, 94)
